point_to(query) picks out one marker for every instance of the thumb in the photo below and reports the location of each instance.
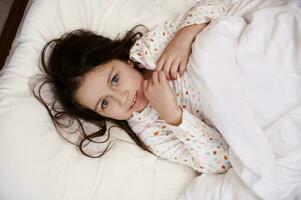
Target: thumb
(144, 84)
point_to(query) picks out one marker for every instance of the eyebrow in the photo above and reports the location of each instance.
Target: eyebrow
(109, 77)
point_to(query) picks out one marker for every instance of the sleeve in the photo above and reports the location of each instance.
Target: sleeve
(204, 12)
(147, 50)
(192, 143)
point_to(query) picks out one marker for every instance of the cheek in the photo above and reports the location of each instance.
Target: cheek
(115, 112)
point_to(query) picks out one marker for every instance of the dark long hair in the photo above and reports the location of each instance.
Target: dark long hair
(71, 56)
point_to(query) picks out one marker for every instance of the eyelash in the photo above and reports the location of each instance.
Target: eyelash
(111, 82)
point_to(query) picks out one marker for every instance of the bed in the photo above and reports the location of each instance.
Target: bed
(36, 163)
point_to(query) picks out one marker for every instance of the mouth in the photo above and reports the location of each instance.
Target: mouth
(133, 101)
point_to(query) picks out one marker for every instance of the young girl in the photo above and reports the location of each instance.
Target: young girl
(93, 79)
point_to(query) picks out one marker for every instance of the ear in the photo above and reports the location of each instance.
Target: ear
(131, 63)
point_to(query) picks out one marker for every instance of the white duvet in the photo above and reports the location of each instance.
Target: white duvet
(249, 73)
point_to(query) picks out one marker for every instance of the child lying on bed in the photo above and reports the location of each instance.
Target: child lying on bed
(96, 79)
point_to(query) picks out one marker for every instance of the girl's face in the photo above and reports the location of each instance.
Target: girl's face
(111, 88)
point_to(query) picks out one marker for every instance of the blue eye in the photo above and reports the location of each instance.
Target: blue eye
(102, 103)
(105, 102)
(115, 78)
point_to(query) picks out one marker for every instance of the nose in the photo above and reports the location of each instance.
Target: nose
(122, 97)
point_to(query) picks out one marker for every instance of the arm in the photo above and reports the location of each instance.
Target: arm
(164, 41)
(192, 143)
(188, 26)
(199, 16)
(204, 12)
(192, 30)
(201, 145)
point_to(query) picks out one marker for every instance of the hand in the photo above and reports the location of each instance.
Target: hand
(175, 56)
(160, 95)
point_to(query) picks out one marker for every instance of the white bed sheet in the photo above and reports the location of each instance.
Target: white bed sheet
(35, 162)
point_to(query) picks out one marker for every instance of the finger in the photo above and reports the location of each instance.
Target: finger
(167, 76)
(162, 76)
(174, 69)
(145, 84)
(160, 63)
(155, 77)
(150, 82)
(182, 67)
(166, 67)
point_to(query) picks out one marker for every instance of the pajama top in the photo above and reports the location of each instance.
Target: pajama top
(195, 142)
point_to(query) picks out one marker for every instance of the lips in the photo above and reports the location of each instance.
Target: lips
(133, 101)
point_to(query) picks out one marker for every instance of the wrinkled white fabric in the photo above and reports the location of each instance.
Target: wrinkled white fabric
(249, 71)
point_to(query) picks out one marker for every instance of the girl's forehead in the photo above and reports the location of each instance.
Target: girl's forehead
(100, 70)
(103, 68)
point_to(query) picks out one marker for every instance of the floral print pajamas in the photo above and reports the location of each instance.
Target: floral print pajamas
(195, 142)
